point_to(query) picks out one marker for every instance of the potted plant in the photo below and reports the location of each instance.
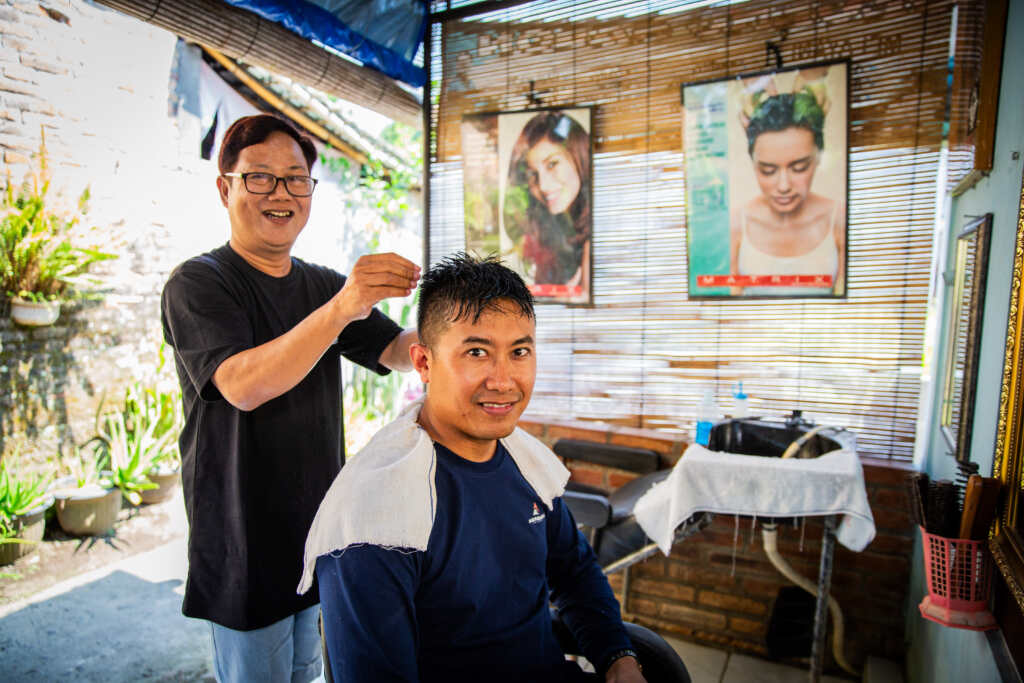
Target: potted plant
(165, 473)
(45, 253)
(87, 501)
(128, 453)
(23, 505)
(141, 438)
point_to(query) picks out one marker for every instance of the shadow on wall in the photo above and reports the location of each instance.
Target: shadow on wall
(38, 369)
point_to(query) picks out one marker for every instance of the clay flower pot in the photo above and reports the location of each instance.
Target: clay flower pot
(90, 510)
(34, 313)
(27, 527)
(166, 484)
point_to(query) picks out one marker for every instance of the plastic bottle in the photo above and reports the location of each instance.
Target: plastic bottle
(707, 413)
(742, 408)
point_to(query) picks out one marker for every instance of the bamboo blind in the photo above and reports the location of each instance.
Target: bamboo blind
(247, 37)
(642, 355)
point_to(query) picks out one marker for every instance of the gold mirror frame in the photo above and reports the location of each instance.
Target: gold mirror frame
(1007, 543)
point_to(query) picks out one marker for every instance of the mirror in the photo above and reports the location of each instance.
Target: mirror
(963, 335)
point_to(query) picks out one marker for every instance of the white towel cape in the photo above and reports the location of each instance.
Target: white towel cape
(730, 483)
(386, 495)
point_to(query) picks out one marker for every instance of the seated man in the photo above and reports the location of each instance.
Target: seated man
(440, 545)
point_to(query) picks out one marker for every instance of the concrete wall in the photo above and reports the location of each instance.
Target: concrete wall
(938, 653)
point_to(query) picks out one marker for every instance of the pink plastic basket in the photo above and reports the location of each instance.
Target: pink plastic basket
(959, 575)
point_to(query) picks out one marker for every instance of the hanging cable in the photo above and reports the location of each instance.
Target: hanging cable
(647, 220)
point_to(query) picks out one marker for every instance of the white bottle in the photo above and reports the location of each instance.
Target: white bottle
(707, 413)
(742, 408)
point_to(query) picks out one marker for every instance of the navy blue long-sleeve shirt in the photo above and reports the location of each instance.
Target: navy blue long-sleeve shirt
(474, 605)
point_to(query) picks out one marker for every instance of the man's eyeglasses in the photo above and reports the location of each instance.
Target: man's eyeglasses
(266, 183)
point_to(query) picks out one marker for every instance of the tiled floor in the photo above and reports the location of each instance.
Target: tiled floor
(708, 665)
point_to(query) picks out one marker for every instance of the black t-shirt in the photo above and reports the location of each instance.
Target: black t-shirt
(253, 480)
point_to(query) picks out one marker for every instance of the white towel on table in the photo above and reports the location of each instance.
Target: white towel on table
(730, 483)
(386, 495)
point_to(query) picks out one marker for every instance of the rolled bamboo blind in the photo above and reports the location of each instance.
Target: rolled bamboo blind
(642, 355)
(245, 36)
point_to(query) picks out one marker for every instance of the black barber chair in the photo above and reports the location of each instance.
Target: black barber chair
(658, 661)
(607, 518)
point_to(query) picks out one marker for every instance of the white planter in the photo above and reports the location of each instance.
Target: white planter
(34, 314)
(28, 527)
(166, 485)
(90, 510)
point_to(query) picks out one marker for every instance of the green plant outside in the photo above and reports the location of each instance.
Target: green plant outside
(139, 438)
(18, 495)
(8, 537)
(376, 185)
(370, 396)
(128, 455)
(372, 400)
(152, 421)
(45, 254)
(85, 468)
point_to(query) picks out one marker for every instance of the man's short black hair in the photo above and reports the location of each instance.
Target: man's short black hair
(253, 130)
(461, 287)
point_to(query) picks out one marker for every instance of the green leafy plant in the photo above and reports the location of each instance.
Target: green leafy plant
(148, 420)
(371, 400)
(45, 254)
(387, 188)
(151, 422)
(85, 468)
(8, 536)
(128, 452)
(373, 182)
(18, 495)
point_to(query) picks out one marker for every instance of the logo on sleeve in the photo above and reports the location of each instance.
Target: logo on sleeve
(537, 517)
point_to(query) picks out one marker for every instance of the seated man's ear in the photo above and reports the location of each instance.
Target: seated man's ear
(420, 356)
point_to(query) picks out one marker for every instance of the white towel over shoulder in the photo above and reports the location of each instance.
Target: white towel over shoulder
(386, 495)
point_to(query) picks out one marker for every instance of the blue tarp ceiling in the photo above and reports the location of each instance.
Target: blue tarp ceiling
(382, 34)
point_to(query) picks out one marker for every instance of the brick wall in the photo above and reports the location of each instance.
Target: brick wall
(715, 591)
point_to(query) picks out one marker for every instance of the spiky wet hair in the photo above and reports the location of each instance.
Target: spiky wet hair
(462, 287)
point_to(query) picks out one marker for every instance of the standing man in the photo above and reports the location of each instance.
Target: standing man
(257, 338)
(439, 548)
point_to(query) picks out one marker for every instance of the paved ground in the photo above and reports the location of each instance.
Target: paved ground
(119, 623)
(116, 619)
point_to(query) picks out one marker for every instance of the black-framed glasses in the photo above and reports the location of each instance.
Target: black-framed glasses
(265, 183)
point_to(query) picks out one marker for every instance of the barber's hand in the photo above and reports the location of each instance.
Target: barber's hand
(624, 670)
(373, 278)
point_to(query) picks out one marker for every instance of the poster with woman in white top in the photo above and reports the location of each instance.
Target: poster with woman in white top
(765, 165)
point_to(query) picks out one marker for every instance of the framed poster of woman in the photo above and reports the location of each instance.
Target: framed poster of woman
(765, 162)
(527, 196)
